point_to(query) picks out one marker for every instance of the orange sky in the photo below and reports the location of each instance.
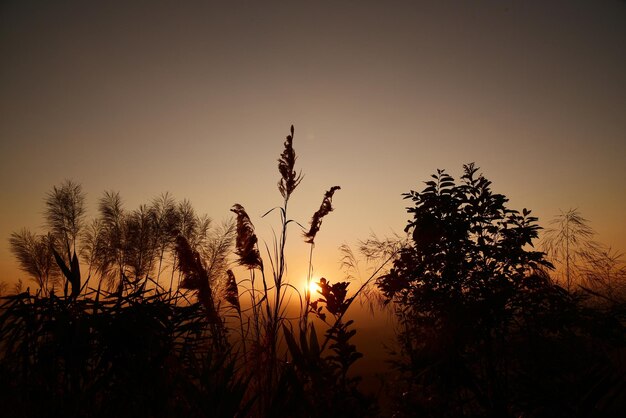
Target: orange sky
(196, 99)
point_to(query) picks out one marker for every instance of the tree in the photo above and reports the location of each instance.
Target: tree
(474, 301)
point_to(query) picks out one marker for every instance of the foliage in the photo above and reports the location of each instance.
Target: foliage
(322, 378)
(140, 353)
(482, 328)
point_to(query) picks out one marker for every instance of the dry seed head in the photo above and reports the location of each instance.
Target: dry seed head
(232, 291)
(325, 208)
(289, 178)
(190, 264)
(195, 276)
(246, 244)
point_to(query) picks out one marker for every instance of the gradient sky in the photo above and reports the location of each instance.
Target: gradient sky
(195, 98)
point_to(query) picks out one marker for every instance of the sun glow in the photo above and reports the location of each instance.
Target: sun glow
(313, 288)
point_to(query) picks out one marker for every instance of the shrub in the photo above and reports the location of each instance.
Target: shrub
(483, 329)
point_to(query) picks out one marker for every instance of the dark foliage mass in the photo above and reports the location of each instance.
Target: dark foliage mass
(483, 329)
(125, 355)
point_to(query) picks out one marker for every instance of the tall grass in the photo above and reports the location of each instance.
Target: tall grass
(121, 340)
(581, 262)
(128, 354)
(291, 371)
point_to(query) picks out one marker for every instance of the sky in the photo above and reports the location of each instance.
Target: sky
(196, 98)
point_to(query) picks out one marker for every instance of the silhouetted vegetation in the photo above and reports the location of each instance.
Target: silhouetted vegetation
(144, 314)
(581, 262)
(483, 330)
(138, 353)
(123, 341)
(291, 372)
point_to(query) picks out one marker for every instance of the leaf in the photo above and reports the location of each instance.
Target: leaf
(314, 344)
(75, 275)
(66, 272)
(295, 352)
(304, 346)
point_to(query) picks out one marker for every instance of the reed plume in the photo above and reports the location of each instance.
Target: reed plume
(325, 208)
(34, 255)
(195, 276)
(65, 213)
(246, 242)
(289, 179)
(232, 291)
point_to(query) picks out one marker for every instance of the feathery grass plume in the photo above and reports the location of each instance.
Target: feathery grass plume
(325, 208)
(34, 255)
(217, 249)
(232, 291)
(195, 275)
(190, 265)
(112, 258)
(65, 213)
(246, 243)
(289, 179)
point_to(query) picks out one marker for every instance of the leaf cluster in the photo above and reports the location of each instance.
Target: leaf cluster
(480, 320)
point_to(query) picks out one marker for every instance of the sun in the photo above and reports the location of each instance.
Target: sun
(313, 288)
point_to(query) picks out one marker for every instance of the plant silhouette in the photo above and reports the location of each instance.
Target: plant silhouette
(158, 312)
(483, 331)
(115, 338)
(581, 262)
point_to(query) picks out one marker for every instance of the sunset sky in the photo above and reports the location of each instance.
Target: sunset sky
(196, 98)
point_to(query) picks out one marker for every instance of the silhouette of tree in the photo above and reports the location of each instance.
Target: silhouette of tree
(477, 310)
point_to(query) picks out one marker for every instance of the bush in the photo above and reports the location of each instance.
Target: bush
(483, 329)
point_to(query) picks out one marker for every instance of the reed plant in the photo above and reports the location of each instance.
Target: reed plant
(117, 340)
(133, 353)
(293, 371)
